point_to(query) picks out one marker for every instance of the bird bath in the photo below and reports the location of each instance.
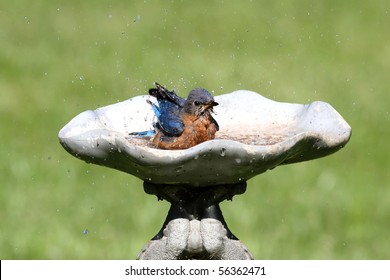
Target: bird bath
(256, 134)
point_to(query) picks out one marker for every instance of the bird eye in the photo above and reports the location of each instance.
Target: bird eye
(197, 103)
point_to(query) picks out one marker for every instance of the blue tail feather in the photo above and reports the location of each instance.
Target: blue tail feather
(143, 134)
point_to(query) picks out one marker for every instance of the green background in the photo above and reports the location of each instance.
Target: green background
(59, 58)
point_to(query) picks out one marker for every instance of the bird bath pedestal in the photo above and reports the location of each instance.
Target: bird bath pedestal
(256, 134)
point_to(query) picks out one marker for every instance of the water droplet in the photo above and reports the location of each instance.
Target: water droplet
(85, 231)
(238, 160)
(137, 18)
(179, 168)
(223, 152)
(27, 20)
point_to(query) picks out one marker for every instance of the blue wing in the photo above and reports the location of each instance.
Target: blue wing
(161, 93)
(169, 110)
(169, 117)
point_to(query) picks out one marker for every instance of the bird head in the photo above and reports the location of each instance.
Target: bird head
(199, 102)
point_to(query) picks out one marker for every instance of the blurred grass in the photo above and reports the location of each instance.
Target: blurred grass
(58, 58)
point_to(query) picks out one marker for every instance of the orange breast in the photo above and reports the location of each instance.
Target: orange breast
(196, 131)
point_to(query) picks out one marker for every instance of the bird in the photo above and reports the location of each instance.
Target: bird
(182, 123)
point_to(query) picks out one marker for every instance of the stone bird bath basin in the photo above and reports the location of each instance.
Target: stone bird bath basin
(256, 134)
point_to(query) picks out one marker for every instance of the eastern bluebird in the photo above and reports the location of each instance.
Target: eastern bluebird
(182, 123)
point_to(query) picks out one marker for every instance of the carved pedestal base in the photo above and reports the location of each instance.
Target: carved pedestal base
(195, 227)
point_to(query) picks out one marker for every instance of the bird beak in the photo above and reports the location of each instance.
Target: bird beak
(210, 105)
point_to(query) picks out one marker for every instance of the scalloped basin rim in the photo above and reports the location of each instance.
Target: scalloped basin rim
(305, 132)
